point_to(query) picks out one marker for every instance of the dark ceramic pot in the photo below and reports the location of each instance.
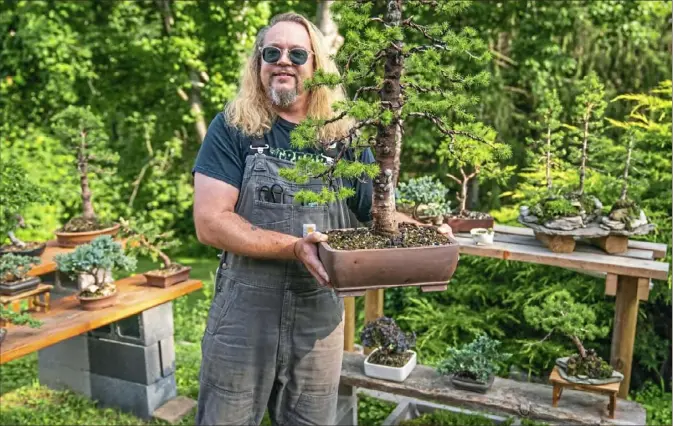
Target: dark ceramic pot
(16, 287)
(472, 385)
(36, 251)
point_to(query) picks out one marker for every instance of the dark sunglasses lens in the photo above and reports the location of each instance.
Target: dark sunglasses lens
(271, 54)
(298, 56)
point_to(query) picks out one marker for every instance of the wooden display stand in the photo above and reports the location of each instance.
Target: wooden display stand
(39, 299)
(611, 389)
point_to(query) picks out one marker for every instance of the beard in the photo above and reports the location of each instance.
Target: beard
(282, 98)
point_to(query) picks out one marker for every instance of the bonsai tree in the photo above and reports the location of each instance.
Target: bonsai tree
(476, 361)
(560, 313)
(93, 259)
(15, 267)
(82, 135)
(473, 159)
(424, 192)
(392, 343)
(145, 239)
(16, 193)
(395, 68)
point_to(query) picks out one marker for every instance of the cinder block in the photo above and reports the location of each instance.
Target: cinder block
(72, 353)
(146, 328)
(59, 377)
(141, 400)
(130, 362)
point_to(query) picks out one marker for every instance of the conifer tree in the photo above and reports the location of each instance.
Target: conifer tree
(395, 80)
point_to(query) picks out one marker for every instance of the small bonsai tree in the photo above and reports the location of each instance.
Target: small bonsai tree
(392, 343)
(16, 193)
(395, 80)
(476, 361)
(560, 313)
(424, 192)
(9, 316)
(15, 267)
(145, 239)
(83, 135)
(93, 259)
(474, 159)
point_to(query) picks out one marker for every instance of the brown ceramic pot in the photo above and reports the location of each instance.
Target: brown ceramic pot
(466, 225)
(74, 239)
(352, 272)
(94, 303)
(159, 280)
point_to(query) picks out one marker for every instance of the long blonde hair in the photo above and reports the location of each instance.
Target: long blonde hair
(251, 112)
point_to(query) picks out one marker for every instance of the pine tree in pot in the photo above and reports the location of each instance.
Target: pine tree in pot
(101, 254)
(473, 366)
(392, 358)
(14, 269)
(145, 239)
(559, 312)
(424, 198)
(395, 68)
(84, 137)
(16, 193)
(8, 316)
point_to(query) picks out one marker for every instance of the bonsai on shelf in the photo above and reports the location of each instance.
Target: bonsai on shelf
(560, 313)
(424, 198)
(8, 316)
(392, 349)
(83, 136)
(94, 259)
(16, 193)
(143, 238)
(473, 366)
(473, 159)
(14, 269)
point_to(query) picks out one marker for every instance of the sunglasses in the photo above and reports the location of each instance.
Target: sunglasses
(272, 54)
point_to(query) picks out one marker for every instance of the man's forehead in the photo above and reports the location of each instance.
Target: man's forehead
(288, 34)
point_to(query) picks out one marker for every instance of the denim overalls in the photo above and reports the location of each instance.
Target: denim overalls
(274, 336)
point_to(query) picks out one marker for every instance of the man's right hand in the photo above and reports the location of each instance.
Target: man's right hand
(306, 250)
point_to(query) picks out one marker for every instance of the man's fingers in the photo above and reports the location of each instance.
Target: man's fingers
(316, 237)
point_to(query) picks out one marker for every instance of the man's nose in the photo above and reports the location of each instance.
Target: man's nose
(284, 58)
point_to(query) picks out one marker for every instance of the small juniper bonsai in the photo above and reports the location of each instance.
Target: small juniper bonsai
(145, 239)
(476, 361)
(392, 343)
(101, 254)
(15, 267)
(424, 192)
(559, 312)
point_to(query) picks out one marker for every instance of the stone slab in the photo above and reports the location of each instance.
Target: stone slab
(140, 400)
(505, 397)
(175, 410)
(591, 230)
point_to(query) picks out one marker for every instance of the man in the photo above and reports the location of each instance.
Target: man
(274, 336)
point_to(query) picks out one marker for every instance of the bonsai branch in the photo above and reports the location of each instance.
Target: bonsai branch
(365, 89)
(449, 132)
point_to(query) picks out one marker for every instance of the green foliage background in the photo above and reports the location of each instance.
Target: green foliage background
(116, 58)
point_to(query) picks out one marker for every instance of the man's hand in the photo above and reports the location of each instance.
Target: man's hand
(445, 229)
(306, 250)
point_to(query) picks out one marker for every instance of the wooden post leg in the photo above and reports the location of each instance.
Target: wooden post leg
(47, 301)
(349, 326)
(555, 395)
(373, 308)
(612, 405)
(624, 331)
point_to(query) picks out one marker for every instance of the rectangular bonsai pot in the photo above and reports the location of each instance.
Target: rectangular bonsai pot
(411, 409)
(385, 372)
(355, 271)
(466, 225)
(27, 284)
(163, 281)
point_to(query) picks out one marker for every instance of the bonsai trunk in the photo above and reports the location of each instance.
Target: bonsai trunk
(383, 209)
(580, 346)
(463, 192)
(625, 176)
(15, 241)
(548, 169)
(584, 149)
(164, 259)
(83, 166)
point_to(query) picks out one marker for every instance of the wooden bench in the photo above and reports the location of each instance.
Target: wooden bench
(38, 299)
(509, 397)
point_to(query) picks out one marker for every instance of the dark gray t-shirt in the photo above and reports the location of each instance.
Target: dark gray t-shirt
(222, 156)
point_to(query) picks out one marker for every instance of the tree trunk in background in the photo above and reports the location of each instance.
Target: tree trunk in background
(324, 22)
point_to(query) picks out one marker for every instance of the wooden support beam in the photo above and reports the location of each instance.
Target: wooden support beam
(349, 324)
(373, 308)
(624, 330)
(643, 287)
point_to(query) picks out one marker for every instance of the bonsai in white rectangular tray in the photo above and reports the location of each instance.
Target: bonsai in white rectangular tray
(392, 359)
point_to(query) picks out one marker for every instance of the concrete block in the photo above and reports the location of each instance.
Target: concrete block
(130, 362)
(175, 410)
(140, 400)
(59, 377)
(145, 328)
(72, 353)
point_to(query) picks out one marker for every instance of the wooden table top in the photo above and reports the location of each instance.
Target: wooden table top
(518, 243)
(67, 319)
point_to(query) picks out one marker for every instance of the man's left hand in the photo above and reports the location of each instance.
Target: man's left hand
(445, 229)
